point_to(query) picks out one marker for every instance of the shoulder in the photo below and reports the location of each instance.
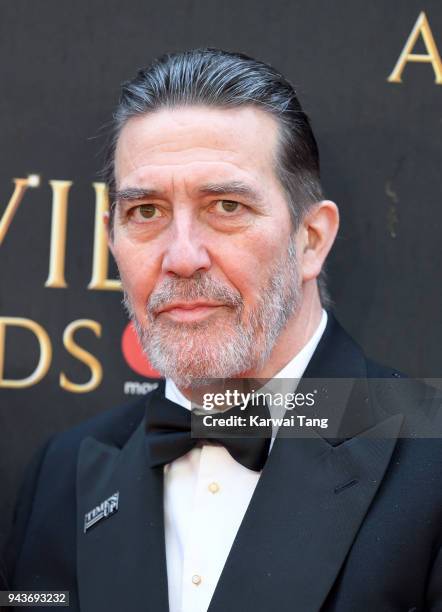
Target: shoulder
(55, 463)
(113, 427)
(419, 447)
(48, 487)
(391, 392)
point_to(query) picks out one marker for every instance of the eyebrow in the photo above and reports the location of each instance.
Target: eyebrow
(235, 187)
(135, 193)
(238, 188)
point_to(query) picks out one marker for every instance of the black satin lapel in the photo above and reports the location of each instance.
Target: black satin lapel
(303, 517)
(121, 559)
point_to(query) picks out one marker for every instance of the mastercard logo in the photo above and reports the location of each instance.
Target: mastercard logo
(133, 354)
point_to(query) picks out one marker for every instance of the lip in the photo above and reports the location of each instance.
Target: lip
(190, 311)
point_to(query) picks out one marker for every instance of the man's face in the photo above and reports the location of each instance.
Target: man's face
(202, 239)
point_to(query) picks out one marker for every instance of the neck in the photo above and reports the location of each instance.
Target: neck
(297, 332)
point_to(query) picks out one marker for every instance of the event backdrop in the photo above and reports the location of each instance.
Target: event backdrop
(369, 75)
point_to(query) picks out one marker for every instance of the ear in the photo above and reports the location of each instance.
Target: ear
(316, 236)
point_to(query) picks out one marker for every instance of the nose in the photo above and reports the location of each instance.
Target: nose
(185, 252)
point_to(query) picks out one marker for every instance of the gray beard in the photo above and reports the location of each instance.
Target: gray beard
(192, 354)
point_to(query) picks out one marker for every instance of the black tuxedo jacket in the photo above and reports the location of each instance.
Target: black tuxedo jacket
(351, 524)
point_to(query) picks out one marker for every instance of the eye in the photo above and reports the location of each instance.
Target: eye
(227, 206)
(146, 211)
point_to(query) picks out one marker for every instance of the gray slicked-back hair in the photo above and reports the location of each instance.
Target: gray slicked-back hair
(221, 79)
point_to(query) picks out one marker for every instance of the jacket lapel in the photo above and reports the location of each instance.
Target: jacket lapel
(121, 558)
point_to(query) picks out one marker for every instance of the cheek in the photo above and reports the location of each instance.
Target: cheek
(247, 263)
(137, 273)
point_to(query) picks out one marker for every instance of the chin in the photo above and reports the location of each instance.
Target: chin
(196, 364)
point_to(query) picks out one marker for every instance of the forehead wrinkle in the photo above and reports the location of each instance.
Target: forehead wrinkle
(137, 160)
(153, 163)
(206, 172)
(170, 129)
(196, 128)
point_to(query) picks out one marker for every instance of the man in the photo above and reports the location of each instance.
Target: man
(220, 232)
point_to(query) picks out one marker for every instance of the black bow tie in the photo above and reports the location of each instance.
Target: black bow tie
(168, 427)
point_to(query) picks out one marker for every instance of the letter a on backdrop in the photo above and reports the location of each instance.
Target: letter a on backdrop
(422, 28)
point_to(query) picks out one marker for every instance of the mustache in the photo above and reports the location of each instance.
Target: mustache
(199, 286)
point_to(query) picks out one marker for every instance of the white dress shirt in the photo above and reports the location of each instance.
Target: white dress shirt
(206, 495)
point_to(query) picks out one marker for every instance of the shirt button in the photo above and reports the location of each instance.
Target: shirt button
(214, 487)
(196, 579)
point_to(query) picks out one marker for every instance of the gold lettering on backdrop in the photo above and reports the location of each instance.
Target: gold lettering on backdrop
(45, 352)
(60, 192)
(100, 266)
(82, 355)
(21, 185)
(421, 28)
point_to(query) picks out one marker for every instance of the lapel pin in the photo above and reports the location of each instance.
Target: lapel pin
(106, 508)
